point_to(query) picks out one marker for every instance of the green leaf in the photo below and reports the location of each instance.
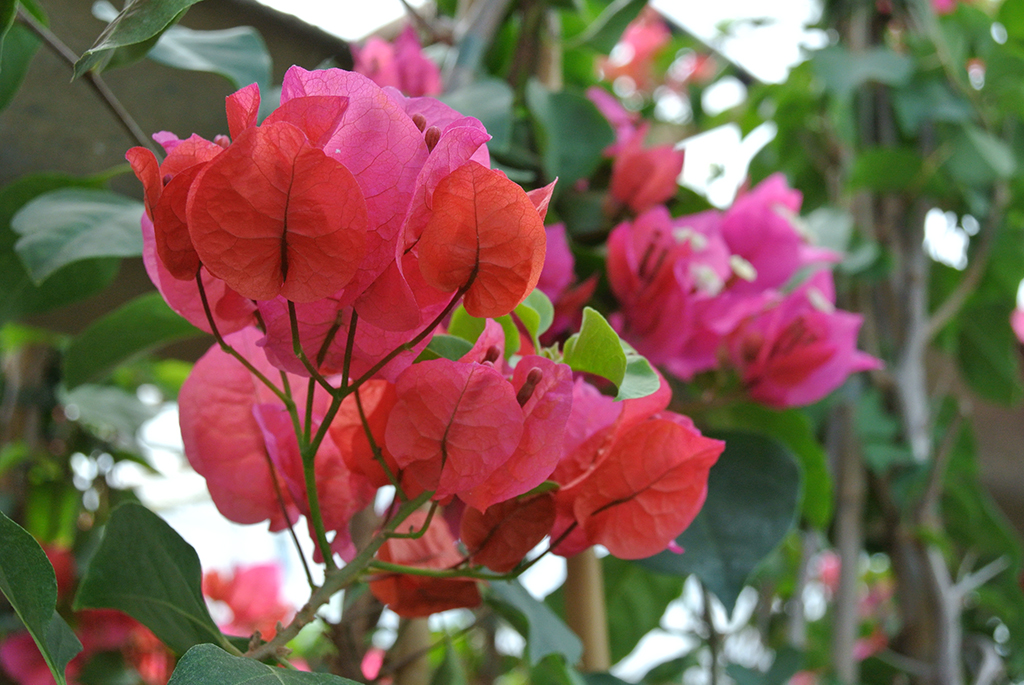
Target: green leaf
(145, 569)
(238, 54)
(71, 224)
(537, 313)
(1011, 16)
(29, 584)
(554, 670)
(636, 599)
(979, 158)
(140, 326)
(988, 353)
(110, 412)
(73, 282)
(8, 11)
(18, 45)
(138, 22)
(210, 665)
(466, 326)
(596, 349)
(886, 169)
(842, 71)
(604, 32)
(451, 670)
(571, 133)
(794, 430)
(446, 346)
(545, 633)
(489, 100)
(931, 100)
(752, 500)
(640, 379)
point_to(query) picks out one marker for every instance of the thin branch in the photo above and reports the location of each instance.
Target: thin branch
(58, 46)
(975, 269)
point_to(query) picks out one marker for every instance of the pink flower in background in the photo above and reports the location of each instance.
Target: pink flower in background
(944, 6)
(1017, 323)
(633, 56)
(253, 595)
(401, 64)
(799, 349)
(622, 120)
(643, 177)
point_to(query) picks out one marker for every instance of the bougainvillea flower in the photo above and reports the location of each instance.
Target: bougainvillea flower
(658, 264)
(500, 537)
(231, 312)
(166, 186)
(253, 594)
(648, 488)
(341, 492)
(453, 425)
(633, 475)
(484, 233)
(222, 437)
(799, 350)
(401, 65)
(275, 215)
(544, 390)
(643, 177)
(412, 595)
(760, 227)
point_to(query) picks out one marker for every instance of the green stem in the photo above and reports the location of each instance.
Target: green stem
(289, 403)
(335, 581)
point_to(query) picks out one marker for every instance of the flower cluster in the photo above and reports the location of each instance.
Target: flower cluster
(325, 247)
(715, 289)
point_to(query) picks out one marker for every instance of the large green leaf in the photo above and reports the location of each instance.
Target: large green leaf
(794, 430)
(545, 633)
(71, 224)
(21, 296)
(238, 54)
(752, 500)
(145, 569)
(636, 600)
(140, 326)
(210, 665)
(29, 584)
(140, 21)
(571, 132)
